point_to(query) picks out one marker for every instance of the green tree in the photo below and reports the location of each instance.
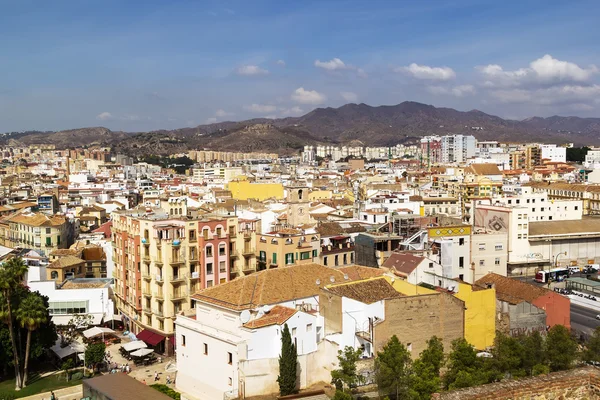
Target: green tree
(533, 351)
(465, 369)
(346, 377)
(11, 276)
(94, 354)
(393, 370)
(577, 154)
(561, 349)
(592, 349)
(426, 370)
(288, 364)
(66, 367)
(31, 314)
(507, 358)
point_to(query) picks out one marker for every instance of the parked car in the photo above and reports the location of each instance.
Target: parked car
(574, 270)
(593, 267)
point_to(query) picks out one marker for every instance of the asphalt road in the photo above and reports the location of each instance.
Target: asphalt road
(584, 319)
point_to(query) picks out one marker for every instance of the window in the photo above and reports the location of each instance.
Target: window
(274, 258)
(315, 253)
(262, 256)
(293, 331)
(497, 261)
(305, 255)
(519, 216)
(519, 236)
(289, 258)
(325, 261)
(345, 259)
(209, 268)
(498, 246)
(481, 263)
(461, 262)
(205, 232)
(430, 265)
(308, 327)
(48, 231)
(205, 349)
(336, 260)
(221, 249)
(219, 231)
(542, 209)
(409, 347)
(183, 340)
(192, 234)
(222, 266)
(229, 359)
(481, 246)
(533, 210)
(209, 251)
(461, 241)
(230, 381)
(576, 208)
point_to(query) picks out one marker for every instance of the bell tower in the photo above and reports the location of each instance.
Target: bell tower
(298, 205)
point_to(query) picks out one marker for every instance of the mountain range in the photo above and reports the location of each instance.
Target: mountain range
(353, 124)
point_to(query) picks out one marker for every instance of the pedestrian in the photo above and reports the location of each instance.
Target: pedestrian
(144, 381)
(52, 395)
(155, 376)
(168, 380)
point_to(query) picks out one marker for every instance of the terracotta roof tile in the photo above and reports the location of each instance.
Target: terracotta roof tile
(358, 272)
(277, 316)
(403, 263)
(271, 286)
(512, 291)
(366, 291)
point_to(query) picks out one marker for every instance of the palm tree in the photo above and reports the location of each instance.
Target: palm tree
(11, 275)
(32, 313)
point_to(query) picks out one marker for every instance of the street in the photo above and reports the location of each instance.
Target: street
(584, 319)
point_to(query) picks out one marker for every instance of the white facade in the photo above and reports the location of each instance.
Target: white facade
(235, 359)
(554, 153)
(592, 159)
(458, 148)
(537, 207)
(454, 256)
(489, 253)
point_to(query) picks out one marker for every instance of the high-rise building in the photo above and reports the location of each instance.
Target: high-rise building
(457, 148)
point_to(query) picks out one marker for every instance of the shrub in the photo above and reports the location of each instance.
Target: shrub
(166, 390)
(341, 395)
(77, 376)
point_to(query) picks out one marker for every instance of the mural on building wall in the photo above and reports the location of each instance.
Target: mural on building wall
(493, 220)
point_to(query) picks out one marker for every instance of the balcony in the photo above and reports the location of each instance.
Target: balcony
(195, 275)
(158, 313)
(234, 254)
(146, 293)
(158, 295)
(248, 251)
(159, 279)
(177, 261)
(248, 234)
(178, 278)
(158, 262)
(146, 276)
(179, 295)
(146, 258)
(147, 311)
(304, 244)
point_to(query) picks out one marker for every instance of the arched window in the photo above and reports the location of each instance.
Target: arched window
(300, 194)
(53, 275)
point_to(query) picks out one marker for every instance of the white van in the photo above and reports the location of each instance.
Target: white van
(574, 269)
(595, 267)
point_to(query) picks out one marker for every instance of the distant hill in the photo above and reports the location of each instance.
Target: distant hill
(373, 126)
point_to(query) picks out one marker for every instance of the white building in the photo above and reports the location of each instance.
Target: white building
(592, 159)
(554, 153)
(457, 148)
(235, 337)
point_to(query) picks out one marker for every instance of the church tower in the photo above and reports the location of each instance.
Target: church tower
(298, 205)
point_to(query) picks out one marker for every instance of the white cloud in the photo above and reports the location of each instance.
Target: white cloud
(331, 65)
(543, 71)
(251, 70)
(291, 112)
(361, 73)
(281, 63)
(350, 97)
(260, 108)
(425, 72)
(457, 91)
(220, 113)
(211, 120)
(104, 116)
(270, 116)
(304, 96)
(565, 95)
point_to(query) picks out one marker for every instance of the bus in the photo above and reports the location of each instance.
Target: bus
(556, 274)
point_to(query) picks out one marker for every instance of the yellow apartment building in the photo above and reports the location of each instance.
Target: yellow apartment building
(287, 247)
(244, 190)
(40, 232)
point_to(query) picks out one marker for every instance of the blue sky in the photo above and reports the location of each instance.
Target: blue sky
(143, 65)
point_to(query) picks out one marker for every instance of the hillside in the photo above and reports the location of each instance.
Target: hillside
(373, 126)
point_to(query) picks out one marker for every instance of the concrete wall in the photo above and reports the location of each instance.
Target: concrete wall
(522, 318)
(557, 307)
(416, 319)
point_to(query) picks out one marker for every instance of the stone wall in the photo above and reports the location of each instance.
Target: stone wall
(415, 319)
(577, 384)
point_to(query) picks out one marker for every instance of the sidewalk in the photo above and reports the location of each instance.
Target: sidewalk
(70, 393)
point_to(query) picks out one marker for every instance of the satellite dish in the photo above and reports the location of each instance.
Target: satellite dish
(331, 279)
(318, 282)
(245, 316)
(266, 309)
(346, 276)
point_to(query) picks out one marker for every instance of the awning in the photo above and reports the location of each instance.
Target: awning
(132, 346)
(151, 338)
(97, 331)
(63, 320)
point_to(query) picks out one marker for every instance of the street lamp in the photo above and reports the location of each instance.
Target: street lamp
(558, 255)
